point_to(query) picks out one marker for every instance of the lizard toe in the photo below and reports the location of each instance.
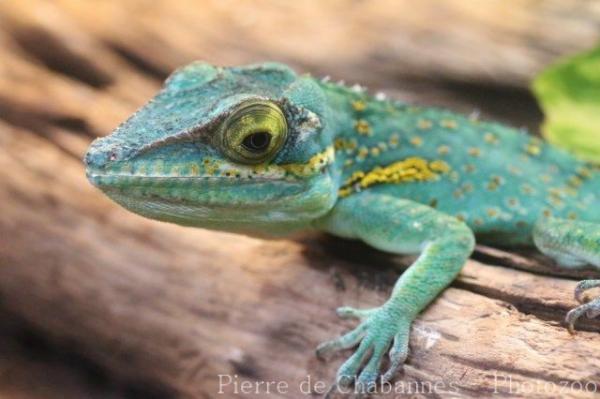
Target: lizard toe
(582, 287)
(590, 310)
(346, 341)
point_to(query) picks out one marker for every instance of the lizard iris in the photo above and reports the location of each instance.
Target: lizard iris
(260, 150)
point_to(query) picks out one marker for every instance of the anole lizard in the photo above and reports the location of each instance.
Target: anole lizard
(261, 150)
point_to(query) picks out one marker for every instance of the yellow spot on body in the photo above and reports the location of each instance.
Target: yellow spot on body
(546, 178)
(416, 141)
(176, 170)
(409, 170)
(344, 192)
(492, 212)
(382, 146)
(474, 152)
(469, 168)
(211, 170)
(572, 215)
(424, 124)
(570, 191)
(556, 202)
(439, 166)
(194, 169)
(514, 170)
(513, 202)
(357, 175)
(351, 146)
(575, 181)
(525, 158)
(348, 162)
(454, 176)
(527, 189)
(363, 152)
(363, 127)
(547, 213)
(316, 163)
(494, 183)
(490, 138)
(359, 105)
(375, 151)
(584, 172)
(556, 191)
(533, 149)
(341, 144)
(461, 216)
(443, 150)
(478, 221)
(448, 123)
(394, 140)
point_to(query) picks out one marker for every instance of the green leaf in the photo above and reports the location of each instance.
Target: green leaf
(569, 94)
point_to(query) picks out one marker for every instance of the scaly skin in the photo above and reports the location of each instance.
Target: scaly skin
(401, 178)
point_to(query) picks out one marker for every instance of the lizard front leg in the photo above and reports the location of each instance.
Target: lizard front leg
(399, 226)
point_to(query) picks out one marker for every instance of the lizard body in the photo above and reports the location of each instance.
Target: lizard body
(263, 151)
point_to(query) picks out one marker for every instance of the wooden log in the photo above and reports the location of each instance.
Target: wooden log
(493, 42)
(175, 308)
(32, 369)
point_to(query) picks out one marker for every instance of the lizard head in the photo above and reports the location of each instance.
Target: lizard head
(242, 149)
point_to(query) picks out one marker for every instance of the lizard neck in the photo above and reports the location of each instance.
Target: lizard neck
(379, 141)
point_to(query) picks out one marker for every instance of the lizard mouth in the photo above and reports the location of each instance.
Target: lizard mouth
(185, 190)
(115, 180)
(119, 181)
(211, 203)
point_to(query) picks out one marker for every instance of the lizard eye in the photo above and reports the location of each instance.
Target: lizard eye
(254, 132)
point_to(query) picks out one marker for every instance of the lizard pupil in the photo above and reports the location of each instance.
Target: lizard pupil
(257, 142)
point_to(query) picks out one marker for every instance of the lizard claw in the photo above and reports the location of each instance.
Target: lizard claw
(591, 309)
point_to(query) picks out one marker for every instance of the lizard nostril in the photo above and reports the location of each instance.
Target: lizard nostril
(99, 155)
(94, 159)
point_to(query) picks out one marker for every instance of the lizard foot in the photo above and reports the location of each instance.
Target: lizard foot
(591, 309)
(379, 329)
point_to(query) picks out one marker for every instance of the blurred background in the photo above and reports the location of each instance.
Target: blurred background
(98, 303)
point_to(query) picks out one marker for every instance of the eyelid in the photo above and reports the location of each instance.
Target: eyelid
(251, 117)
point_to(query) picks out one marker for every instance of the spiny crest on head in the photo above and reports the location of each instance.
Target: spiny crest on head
(199, 73)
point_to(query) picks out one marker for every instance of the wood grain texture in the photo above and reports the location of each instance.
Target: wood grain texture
(171, 308)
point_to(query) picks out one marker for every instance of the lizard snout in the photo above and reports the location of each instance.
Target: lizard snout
(95, 158)
(104, 152)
